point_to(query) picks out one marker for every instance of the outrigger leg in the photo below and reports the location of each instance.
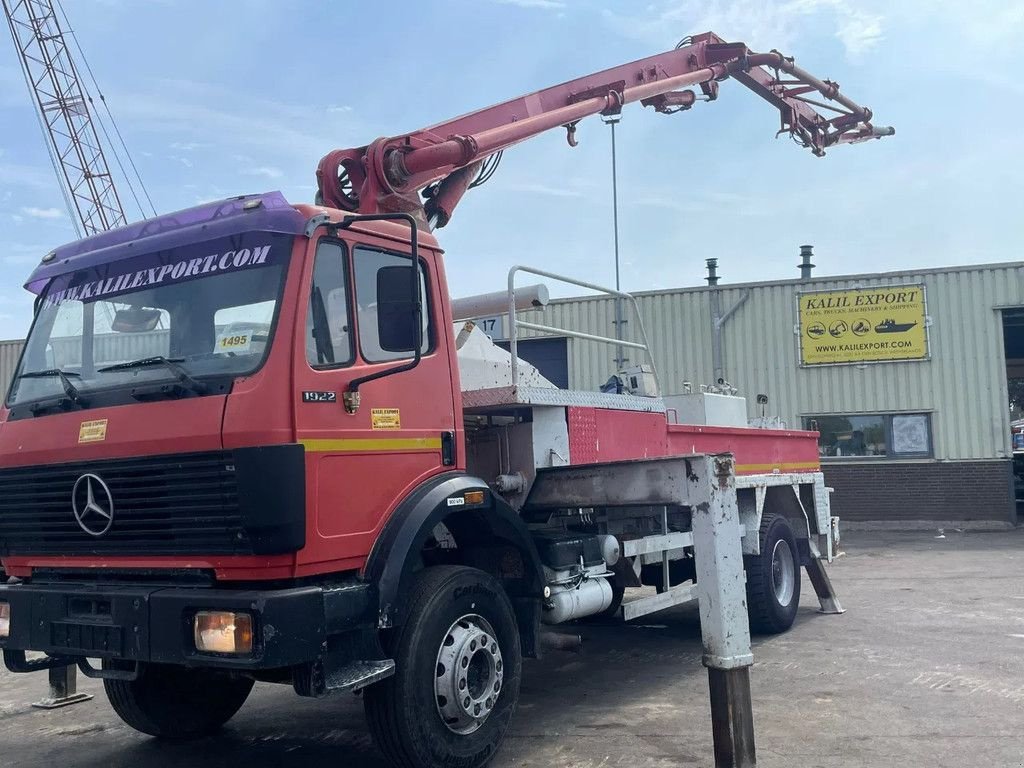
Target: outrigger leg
(725, 629)
(823, 588)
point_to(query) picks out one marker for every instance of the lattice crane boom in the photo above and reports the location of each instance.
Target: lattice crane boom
(64, 110)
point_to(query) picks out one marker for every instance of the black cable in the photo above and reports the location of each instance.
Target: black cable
(113, 122)
(487, 169)
(99, 117)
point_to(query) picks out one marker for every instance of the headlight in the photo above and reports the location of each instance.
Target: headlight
(223, 632)
(5, 619)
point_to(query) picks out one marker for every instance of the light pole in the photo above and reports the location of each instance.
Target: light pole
(620, 360)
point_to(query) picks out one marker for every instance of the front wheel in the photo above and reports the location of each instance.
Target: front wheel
(176, 702)
(458, 665)
(773, 578)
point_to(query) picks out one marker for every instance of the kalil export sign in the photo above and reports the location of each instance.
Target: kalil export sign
(864, 325)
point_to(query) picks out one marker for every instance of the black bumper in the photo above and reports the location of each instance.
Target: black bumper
(155, 624)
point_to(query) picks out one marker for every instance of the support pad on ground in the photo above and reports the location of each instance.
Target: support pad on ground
(63, 689)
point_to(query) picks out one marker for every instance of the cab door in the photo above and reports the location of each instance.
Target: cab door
(362, 461)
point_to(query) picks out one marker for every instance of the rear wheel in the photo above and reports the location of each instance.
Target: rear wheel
(458, 665)
(176, 702)
(773, 578)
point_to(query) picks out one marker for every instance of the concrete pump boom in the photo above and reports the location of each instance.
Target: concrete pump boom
(446, 159)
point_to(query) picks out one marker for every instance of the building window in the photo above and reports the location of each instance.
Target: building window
(882, 435)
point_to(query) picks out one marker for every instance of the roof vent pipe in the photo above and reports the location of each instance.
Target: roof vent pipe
(806, 252)
(712, 277)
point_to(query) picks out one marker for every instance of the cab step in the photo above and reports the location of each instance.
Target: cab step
(356, 675)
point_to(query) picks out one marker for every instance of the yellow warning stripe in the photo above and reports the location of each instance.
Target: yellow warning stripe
(356, 444)
(796, 465)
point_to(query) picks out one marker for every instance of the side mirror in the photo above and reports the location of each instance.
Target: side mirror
(135, 320)
(398, 310)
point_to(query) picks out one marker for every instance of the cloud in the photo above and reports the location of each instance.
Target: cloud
(195, 108)
(339, 108)
(859, 33)
(761, 24)
(535, 188)
(34, 177)
(699, 202)
(43, 213)
(266, 171)
(189, 146)
(546, 5)
(20, 254)
(671, 203)
(12, 89)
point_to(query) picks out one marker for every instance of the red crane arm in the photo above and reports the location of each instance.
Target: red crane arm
(443, 160)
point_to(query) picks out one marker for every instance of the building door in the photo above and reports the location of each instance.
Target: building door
(550, 356)
(1013, 346)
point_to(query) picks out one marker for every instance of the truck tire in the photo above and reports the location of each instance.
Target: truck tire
(458, 665)
(177, 703)
(773, 578)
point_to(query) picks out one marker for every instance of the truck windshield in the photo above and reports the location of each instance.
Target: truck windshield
(118, 331)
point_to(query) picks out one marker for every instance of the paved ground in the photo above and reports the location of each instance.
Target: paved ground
(925, 669)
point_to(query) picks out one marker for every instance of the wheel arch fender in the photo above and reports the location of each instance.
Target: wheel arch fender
(396, 554)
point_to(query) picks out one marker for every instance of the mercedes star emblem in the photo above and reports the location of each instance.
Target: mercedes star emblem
(93, 504)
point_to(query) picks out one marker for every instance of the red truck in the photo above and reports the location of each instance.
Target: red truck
(249, 442)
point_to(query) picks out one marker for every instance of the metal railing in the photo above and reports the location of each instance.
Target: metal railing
(514, 324)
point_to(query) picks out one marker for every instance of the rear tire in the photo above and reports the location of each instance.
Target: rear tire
(418, 717)
(177, 702)
(773, 578)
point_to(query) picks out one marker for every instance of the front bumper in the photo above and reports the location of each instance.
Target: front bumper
(155, 624)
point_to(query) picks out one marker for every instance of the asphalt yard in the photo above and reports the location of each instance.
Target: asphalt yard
(926, 668)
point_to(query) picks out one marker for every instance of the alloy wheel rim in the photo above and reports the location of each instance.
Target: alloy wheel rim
(783, 572)
(469, 674)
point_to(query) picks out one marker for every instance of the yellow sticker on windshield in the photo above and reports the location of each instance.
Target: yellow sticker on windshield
(239, 343)
(385, 418)
(93, 431)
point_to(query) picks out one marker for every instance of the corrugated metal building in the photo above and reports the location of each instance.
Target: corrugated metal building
(10, 351)
(947, 413)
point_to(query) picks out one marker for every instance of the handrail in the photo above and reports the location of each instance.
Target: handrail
(514, 323)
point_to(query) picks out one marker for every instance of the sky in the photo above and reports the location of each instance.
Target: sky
(216, 99)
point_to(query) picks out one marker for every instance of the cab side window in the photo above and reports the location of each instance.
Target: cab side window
(386, 306)
(328, 320)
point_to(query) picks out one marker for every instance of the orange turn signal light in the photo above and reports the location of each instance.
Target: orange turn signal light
(474, 497)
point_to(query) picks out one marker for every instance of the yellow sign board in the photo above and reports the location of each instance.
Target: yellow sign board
(865, 325)
(92, 431)
(385, 418)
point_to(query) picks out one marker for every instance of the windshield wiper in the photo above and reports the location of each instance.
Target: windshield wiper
(65, 379)
(184, 378)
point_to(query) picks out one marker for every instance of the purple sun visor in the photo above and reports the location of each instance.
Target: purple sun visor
(269, 212)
